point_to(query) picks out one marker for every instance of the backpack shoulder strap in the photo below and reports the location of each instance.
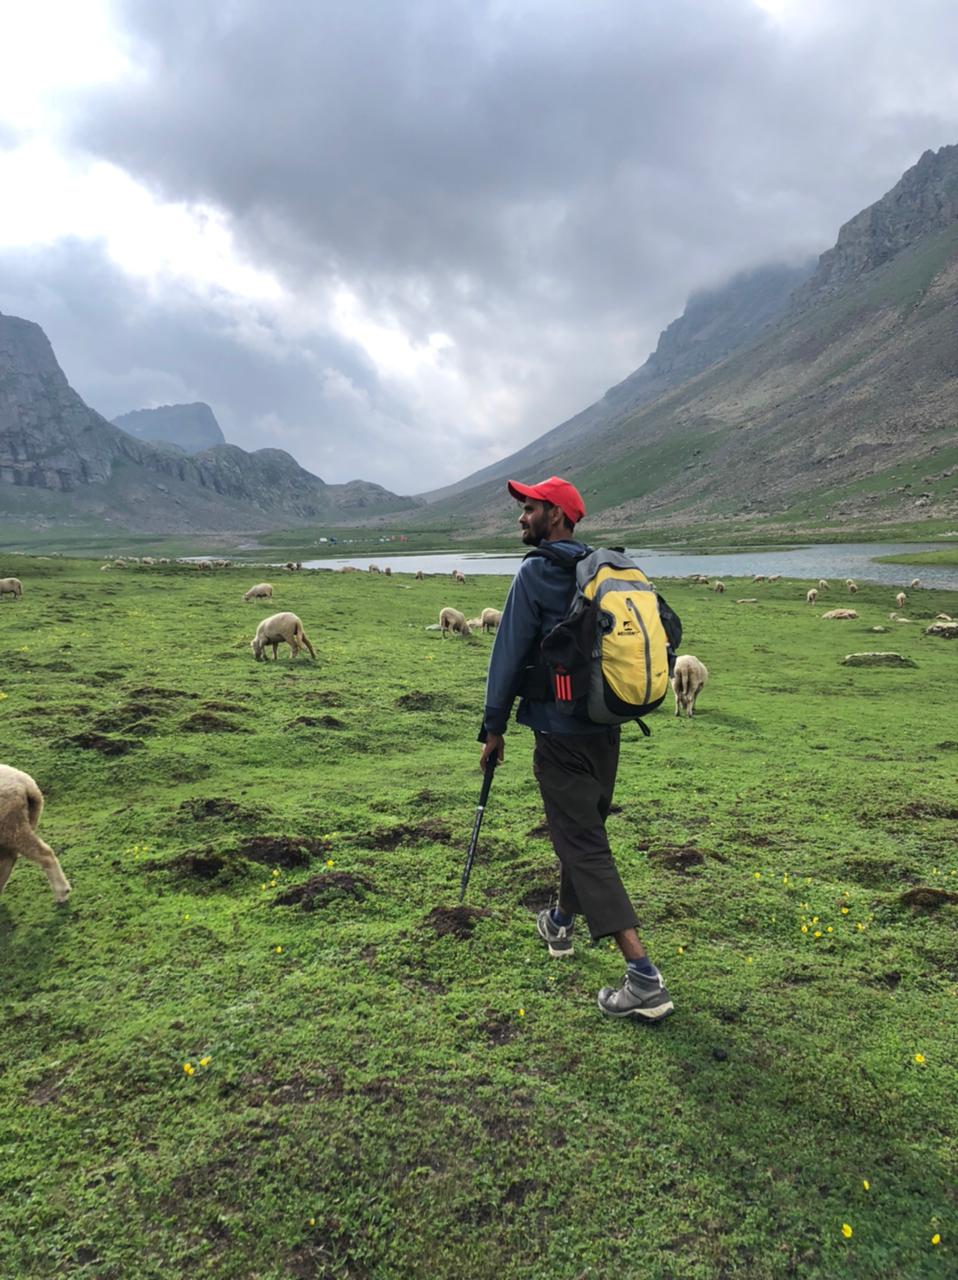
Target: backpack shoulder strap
(564, 559)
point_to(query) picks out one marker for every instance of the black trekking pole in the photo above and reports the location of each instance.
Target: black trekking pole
(491, 763)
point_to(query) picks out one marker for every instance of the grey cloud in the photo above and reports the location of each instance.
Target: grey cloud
(123, 348)
(545, 181)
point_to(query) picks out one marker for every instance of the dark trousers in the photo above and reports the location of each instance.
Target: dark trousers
(576, 775)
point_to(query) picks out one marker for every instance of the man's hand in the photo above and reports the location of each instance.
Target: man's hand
(494, 745)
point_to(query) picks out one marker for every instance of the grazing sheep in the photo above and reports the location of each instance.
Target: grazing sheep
(205, 565)
(350, 568)
(147, 560)
(420, 576)
(490, 619)
(275, 630)
(915, 582)
(943, 617)
(388, 571)
(688, 681)
(823, 584)
(21, 803)
(105, 567)
(758, 577)
(473, 623)
(11, 586)
(900, 599)
(840, 615)
(747, 600)
(775, 577)
(262, 591)
(852, 586)
(811, 596)
(458, 575)
(374, 568)
(452, 620)
(719, 587)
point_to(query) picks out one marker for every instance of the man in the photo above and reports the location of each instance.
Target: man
(574, 762)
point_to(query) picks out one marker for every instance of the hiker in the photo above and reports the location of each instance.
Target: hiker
(574, 761)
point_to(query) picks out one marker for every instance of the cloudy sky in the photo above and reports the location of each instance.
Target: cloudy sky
(402, 238)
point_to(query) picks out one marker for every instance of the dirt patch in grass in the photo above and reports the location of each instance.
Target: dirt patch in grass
(316, 722)
(539, 896)
(927, 898)
(126, 718)
(319, 891)
(539, 831)
(59, 665)
(405, 833)
(456, 922)
(874, 873)
(203, 807)
(323, 697)
(206, 865)
(154, 692)
(930, 809)
(281, 851)
(100, 742)
(209, 722)
(680, 858)
(417, 700)
(214, 705)
(499, 1028)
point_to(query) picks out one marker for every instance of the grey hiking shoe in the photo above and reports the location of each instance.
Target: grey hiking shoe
(641, 996)
(557, 937)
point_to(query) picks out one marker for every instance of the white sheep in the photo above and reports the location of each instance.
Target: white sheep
(823, 584)
(852, 588)
(915, 582)
(900, 599)
(205, 565)
(458, 575)
(21, 803)
(840, 615)
(452, 620)
(811, 596)
(688, 680)
(490, 619)
(774, 577)
(420, 576)
(719, 587)
(374, 568)
(758, 577)
(262, 591)
(11, 586)
(277, 629)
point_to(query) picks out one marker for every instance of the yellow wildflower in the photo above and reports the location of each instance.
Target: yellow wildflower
(804, 928)
(312, 1222)
(522, 1013)
(278, 950)
(844, 911)
(866, 1184)
(3, 696)
(330, 862)
(847, 1231)
(829, 929)
(936, 1238)
(680, 950)
(188, 1069)
(818, 933)
(205, 1062)
(758, 875)
(860, 927)
(785, 879)
(920, 1059)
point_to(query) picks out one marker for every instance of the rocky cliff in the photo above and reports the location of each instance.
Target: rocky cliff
(191, 427)
(60, 459)
(836, 402)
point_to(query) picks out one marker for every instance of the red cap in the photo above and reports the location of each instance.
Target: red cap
(559, 492)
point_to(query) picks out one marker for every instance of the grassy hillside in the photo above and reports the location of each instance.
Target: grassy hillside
(384, 1086)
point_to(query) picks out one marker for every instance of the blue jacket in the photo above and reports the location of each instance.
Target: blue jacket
(538, 599)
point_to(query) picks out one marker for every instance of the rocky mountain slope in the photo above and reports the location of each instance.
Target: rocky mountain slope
(191, 427)
(60, 460)
(841, 403)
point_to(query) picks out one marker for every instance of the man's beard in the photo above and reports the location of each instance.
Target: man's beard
(531, 538)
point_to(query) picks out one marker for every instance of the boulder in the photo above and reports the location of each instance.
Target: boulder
(877, 660)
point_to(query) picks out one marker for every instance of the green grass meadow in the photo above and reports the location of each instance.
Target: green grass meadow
(366, 1082)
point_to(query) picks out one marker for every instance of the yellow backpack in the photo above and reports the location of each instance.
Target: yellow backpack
(611, 657)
